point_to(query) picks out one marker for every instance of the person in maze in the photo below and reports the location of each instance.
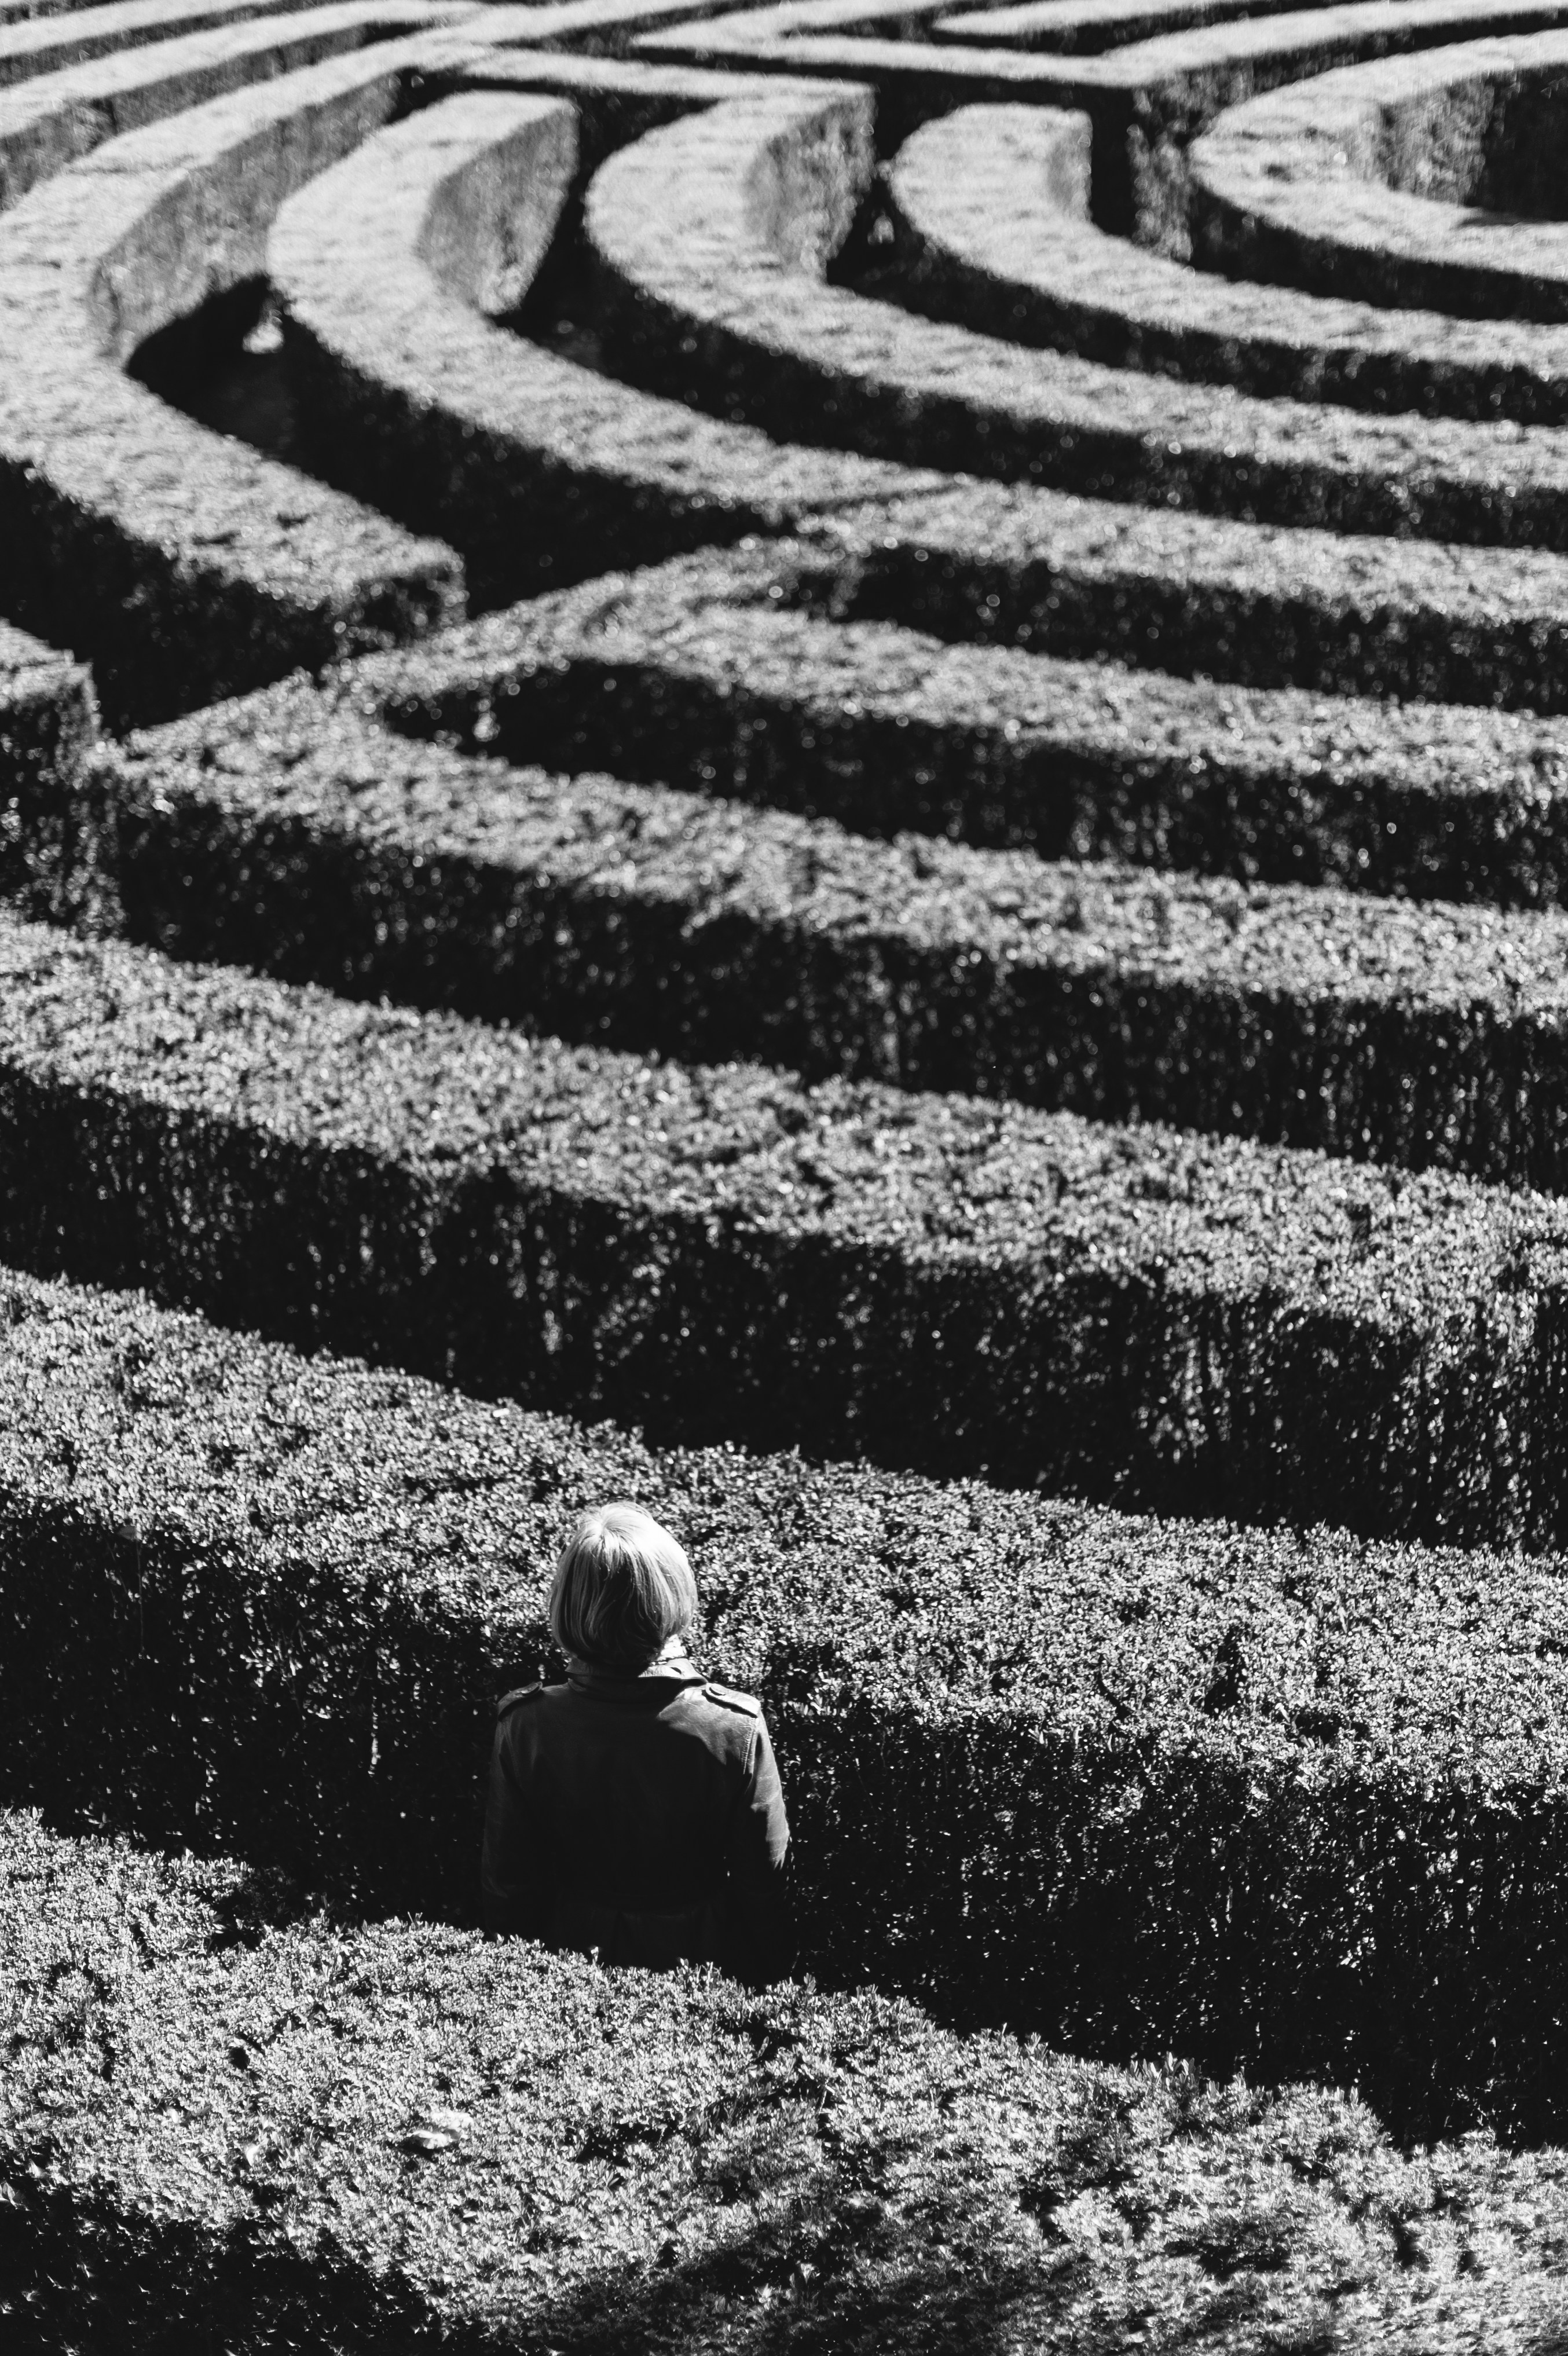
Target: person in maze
(636, 1809)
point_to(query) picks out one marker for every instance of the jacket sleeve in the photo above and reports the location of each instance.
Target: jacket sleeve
(759, 1868)
(516, 1897)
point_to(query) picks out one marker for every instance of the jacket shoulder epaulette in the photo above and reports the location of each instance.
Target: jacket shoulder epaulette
(747, 1704)
(519, 1693)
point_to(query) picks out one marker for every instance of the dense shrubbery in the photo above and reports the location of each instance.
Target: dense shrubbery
(1182, 1323)
(1147, 98)
(705, 300)
(49, 719)
(184, 563)
(401, 2136)
(290, 834)
(791, 676)
(992, 234)
(1276, 1800)
(541, 469)
(1311, 185)
(1291, 1801)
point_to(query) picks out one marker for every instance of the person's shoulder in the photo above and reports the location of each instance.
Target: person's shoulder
(519, 1695)
(729, 1698)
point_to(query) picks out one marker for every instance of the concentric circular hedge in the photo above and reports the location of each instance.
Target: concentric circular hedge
(812, 760)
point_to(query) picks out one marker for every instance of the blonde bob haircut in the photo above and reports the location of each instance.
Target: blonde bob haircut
(622, 1589)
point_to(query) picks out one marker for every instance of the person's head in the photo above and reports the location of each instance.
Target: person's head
(622, 1589)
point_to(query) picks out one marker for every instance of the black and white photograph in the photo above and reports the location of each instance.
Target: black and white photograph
(783, 1178)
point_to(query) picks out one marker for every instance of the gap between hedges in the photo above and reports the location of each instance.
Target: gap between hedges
(180, 562)
(709, 239)
(1276, 1800)
(1185, 1324)
(292, 835)
(400, 2136)
(728, 671)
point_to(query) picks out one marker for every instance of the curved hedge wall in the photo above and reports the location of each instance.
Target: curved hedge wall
(1279, 1801)
(401, 2137)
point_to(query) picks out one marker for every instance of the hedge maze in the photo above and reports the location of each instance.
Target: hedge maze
(812, 762)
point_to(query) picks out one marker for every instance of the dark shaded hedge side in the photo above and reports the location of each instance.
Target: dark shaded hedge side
(49, 719)
(695, 303)
(1185, 1324)
(538, 468)
(1277, 1801)
(403, 2137)
(301, 840)
(1147, 98)
(990, 233)
(182, 563)
(808, 676)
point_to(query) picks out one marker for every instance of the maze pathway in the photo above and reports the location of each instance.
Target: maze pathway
(51, 119)
(131, 529)
(1001, 241)
(811, 761)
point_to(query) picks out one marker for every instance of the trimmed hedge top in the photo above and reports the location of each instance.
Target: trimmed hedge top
(151, 1431)
(1277, 1799)
(994, 243)
(1366, 182)
(126, 519)
(597, 27)
(1339, 614)
(1075, 28)
(724, 671)
(52, 120)
(698, 305)
(399, 2132)
(292, 835)
(56, 40)
(1349, 187)
(33, 674)
(940, 1178)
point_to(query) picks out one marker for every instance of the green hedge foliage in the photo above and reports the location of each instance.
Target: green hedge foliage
(1279, 1801)
(290, 834)
(1182, 1323)
(400, 2137)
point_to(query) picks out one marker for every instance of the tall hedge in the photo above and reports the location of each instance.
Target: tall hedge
(872, 676)
(697, 304)
(289, 835)
(183, 563)
(1274, 1800)
(991, 236)
(1190, 1323)
(398, 2136)
(49, 720)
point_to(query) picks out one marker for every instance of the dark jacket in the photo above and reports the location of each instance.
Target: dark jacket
(641, 1815)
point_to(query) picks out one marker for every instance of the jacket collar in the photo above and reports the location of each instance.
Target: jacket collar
(673, 1668)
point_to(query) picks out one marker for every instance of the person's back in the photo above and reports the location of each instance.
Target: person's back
(637, 1808)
